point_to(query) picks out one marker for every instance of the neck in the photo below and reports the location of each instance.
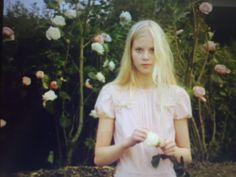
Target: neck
(145, 81)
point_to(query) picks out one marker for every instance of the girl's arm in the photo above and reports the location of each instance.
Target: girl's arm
(181, 146)
(105, 153)
(182, 141)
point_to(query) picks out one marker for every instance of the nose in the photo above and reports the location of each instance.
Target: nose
(146, 55)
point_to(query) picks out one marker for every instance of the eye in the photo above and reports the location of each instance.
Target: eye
(138, 50)
(152, 50)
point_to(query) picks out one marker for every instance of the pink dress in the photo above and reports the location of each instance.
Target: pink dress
(140, 108)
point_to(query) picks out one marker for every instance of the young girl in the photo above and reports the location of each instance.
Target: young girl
(144, 97)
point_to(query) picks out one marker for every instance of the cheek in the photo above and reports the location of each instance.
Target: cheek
(135, 56)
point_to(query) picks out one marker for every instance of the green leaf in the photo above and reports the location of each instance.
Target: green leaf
(64, 96)
(51, 157)
(65, 121)
(92, 75)
(45, 81)
(90, 143)
(50, 107)
(105, 46)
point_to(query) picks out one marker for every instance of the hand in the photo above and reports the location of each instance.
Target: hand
(168, 147)
(138, 136)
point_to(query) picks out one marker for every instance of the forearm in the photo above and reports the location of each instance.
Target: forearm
(108, 154)
(183, 152)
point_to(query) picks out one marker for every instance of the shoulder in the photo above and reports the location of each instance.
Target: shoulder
(177, 90)
(110, 86)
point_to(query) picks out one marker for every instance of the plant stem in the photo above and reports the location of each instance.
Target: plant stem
(81, 106)
(203, 68)
(202, 125)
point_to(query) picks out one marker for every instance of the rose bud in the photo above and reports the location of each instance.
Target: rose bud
(8, 33)
(39, 74)
(99, 38)
(210, 46)
(26, 81)
(53, 85)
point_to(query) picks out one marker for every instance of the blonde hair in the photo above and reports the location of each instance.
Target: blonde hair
(163, 72)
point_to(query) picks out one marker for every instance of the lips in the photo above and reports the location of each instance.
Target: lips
(146, 65)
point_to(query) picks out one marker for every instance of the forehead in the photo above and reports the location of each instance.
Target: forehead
(144, 39)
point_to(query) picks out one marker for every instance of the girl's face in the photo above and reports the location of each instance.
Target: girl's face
(142, 53)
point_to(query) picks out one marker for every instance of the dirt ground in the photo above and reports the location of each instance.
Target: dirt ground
(207, 169)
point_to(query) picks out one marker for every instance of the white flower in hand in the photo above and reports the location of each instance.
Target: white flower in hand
(152, 139)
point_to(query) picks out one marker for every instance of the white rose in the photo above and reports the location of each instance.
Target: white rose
(106, 37)
(79, 6)
(98, 48)
(70, 13)
(53, 33)
(152, 139)
(125, 17)
(111, 65)
(93, 114)
(100, 77)
(59, 20)
(48, 96)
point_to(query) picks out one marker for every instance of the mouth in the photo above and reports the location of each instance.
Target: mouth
(146, 65)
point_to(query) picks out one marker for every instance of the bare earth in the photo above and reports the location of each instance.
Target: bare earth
(227, 169)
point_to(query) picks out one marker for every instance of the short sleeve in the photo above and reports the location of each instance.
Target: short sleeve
(104, 104)
(183, 107)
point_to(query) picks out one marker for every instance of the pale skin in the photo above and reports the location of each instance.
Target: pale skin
(105, 153)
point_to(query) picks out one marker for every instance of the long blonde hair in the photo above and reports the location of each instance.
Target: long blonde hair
(163, 72)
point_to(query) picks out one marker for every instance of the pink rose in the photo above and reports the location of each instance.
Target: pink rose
(222, 69)
(26, 81)
(99, 38)
(53, 85)
(199, 92)
(8, 33)
(39, 74)
(210, 46)
(205, 7)
(3, 123)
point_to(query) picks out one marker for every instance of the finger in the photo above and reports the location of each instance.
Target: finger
(139, 138)
(163, 144)
(170, 145)
(169, 152)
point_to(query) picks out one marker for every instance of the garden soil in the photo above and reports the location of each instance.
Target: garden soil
(196, 169)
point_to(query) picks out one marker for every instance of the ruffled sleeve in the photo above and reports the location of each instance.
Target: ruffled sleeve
(104, 104)
(183, 107)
